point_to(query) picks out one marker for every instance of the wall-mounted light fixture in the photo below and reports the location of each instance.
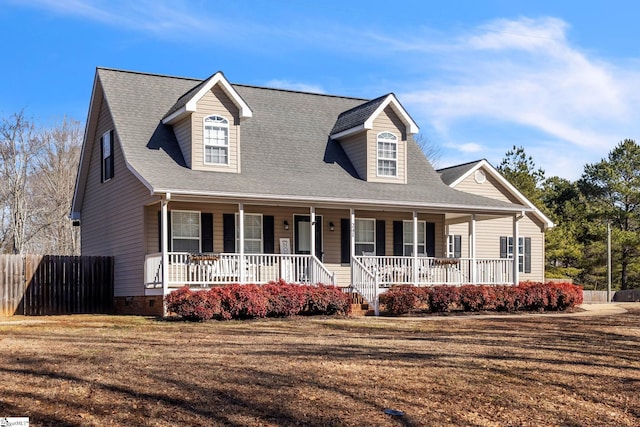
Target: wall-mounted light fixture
(332, 227)
(286, 225)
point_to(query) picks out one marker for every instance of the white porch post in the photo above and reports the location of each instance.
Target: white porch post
(472, 250)
(165, 247)
(312, 216)
(516, 251)
(352, 239)
(415, 248)
(242, 271)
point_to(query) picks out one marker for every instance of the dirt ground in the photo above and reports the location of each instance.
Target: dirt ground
(506, 371)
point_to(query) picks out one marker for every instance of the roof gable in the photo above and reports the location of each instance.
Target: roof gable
(187, 103)
(363, 116)
(454, 175)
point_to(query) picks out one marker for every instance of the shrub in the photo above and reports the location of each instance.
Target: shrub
(323, 299)
(402, 299)
(192, 305)
(443, 298)
(477, 298)
(284, 299)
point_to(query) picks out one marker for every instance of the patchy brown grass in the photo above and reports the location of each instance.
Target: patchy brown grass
(134, 371)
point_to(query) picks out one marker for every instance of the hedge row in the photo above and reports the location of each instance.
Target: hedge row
(275, 299)
(527, 296)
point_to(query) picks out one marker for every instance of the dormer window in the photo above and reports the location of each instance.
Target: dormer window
(387, 154)
(216, 140)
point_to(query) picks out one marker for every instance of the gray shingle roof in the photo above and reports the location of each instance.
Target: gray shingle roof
(452, 173)
(356, 116)
(286, 150)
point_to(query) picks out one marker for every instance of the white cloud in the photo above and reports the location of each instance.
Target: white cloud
(469, 147)
(297, 86)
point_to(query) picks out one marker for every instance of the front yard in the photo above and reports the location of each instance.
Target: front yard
(514, 370)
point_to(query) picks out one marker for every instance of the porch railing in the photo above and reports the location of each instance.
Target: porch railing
(212, 269)
(364, 280)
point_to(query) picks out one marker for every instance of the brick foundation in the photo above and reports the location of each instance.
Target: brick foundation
(142, 306)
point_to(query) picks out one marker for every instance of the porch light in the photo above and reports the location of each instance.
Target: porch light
(286, 225)
(332, 227)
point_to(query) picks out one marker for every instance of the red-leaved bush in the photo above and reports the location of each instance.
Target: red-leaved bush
(275, 299)
(527, 296)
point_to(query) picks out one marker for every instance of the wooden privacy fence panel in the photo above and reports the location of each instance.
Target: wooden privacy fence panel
(12, 285)
(58, 285)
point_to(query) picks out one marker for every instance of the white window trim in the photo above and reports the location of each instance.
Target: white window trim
(521, 250)
(106, 141)
(405, 243)
(206, 144)
(394, 141)
(245, 234)
(356, 242)
(451, 245)
(173, 228)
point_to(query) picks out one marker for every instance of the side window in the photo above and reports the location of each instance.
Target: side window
(407, 235)
(365, 236)
(185, 231)
(216, 140)
(106, 143)
(252, 233)
(387, 154)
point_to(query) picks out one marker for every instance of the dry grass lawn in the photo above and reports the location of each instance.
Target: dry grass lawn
(135, 371)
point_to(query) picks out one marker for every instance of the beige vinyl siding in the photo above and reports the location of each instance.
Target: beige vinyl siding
(355, 146)
(331, 240)
(112, 222)
(216, 102)
(490, 188)
(182, 130)
(387, 121)
(488, 232)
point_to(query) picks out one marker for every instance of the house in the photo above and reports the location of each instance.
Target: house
(203, 182)
(493, 236)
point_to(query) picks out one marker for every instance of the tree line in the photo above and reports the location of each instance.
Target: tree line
(606, 194)
(38, 167)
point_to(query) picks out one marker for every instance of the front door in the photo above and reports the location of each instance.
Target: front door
(302, 235)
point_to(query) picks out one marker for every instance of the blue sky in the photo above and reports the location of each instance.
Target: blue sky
(559, 78)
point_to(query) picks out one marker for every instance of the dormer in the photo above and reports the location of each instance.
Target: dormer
(206, 121)
(374, 136)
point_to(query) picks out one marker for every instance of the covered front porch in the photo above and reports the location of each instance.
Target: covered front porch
(348, 248)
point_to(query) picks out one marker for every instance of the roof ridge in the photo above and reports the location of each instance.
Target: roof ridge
(299, 91)
(147, 74)
(462, 164)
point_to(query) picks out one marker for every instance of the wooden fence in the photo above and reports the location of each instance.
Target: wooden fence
(36, 285)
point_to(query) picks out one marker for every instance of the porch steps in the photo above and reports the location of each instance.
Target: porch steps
(359, 307)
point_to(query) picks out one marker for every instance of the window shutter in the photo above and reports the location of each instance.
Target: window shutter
(527, 254)
(380, 237)
(206, 218)
(345, 244)
(229, 233)
(268, 231)
(160, 230)
(503, 246)
(397, 238)
(457, 246)
(101, 159)
(431, 239)
(112, 156)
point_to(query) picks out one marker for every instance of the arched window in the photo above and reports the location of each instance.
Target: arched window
(216, 140)
(387, 154)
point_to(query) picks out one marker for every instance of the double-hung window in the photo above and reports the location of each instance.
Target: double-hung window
(365, 236)
(454, 246)
(106, 143)
(216, 140)
(185, 231)
(387, 154)
(524, 252)
(252, 233)
(407, 238)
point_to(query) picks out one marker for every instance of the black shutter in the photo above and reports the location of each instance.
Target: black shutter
(229, 233)
(345, 244)
(431, 239)
(457, 246)
(101, 159)
(398, 238)
(206, 219)
(527, 254)
(112, 156)
(268, 231)
(503, 246)
(380, 237)
(160, 230)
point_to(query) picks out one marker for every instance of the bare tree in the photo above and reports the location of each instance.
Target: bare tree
(37, 176)
(431, 150)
